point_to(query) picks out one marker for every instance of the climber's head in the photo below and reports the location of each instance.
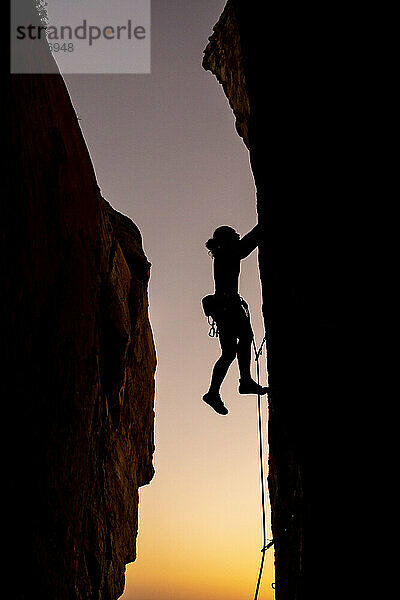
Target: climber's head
(223, 237)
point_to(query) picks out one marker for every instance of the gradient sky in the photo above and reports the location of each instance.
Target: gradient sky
(166, 153)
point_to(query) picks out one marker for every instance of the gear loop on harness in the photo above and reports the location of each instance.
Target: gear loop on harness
(213, 329)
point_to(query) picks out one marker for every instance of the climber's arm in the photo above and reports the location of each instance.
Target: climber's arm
(250, 241)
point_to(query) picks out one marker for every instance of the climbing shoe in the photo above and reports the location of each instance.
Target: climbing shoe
(214, 400)
(249, 386)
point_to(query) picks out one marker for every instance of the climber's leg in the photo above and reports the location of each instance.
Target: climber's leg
(245, 334)
(228, 344)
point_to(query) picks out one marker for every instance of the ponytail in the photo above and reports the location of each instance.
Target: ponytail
(223, 236)
(212, 246)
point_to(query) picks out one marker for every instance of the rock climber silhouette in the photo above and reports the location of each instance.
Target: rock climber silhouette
(230, 312)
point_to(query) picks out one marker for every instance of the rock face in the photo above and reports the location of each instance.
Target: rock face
(301, 114)
(223, 56)
(79, 372)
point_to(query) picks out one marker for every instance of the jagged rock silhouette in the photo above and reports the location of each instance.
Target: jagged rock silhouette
(285, 80)
(80, 358)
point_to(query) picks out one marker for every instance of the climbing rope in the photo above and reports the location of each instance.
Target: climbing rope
(265, 546)
(214, 333)
(284, 531)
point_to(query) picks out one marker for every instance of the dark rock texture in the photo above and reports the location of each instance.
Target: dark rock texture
(299, 98)
(80, 358)
(223, 56)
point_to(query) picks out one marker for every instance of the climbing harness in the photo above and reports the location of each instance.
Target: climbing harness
(217, 307)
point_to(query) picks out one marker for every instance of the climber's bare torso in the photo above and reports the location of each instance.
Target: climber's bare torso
(227, 262)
